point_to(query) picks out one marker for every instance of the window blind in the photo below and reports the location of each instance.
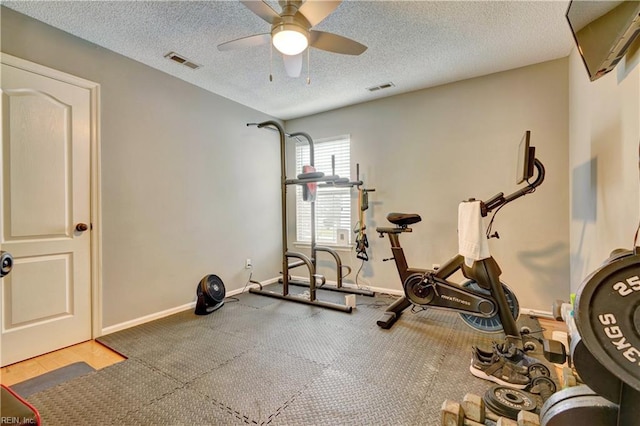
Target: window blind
(333, 204)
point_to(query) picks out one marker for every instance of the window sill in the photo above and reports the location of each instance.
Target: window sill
(336, 247)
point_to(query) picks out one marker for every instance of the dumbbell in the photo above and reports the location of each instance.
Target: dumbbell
(472, 412)
(543, 386)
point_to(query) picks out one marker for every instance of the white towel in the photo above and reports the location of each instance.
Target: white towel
(472, 241)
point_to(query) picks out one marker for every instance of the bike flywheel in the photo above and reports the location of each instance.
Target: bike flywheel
(491, 324)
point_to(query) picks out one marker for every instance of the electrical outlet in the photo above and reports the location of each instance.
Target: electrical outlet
(343, 237)
(435, 266)
(248, 264)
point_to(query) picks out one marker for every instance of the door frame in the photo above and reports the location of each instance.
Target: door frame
(95, 198)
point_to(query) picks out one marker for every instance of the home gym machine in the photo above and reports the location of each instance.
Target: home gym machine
(605, 349)
(309, 189)
(483, 302)
(308, 179)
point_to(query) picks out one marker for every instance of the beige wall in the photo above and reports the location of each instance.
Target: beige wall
(604, 135)
(187, 188)
(426, 151)
(183, 179)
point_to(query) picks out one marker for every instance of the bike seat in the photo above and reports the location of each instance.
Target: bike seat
(403, 219)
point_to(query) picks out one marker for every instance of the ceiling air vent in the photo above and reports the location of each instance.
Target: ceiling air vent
(380, 87)
(182, 60)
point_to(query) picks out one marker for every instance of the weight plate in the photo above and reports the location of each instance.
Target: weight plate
(581, 410)
(538, 370)
(491, 324)
(565, 394)
(607, 314)
(508, 402)
(546, 382)
(592, 373)
(543, 386)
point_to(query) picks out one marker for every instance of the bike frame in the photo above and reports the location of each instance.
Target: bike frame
(485, 272)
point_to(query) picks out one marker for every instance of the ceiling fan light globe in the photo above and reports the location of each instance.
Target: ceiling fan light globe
(289, 39)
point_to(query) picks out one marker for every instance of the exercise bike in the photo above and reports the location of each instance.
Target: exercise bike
(484, 302)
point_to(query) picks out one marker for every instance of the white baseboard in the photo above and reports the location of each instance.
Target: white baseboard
(390, 291)
(536, 313)
(191, 305)
(147, 318)
(171, 311)
(269, 281)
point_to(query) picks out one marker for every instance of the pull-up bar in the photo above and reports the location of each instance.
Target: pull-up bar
(286, 254)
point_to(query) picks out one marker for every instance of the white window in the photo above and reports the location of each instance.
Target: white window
(333, 204)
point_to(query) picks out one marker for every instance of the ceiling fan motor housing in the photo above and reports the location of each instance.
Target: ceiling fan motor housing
(290, 32)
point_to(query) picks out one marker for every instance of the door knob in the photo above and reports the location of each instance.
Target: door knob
(6, 263)
(81, 227)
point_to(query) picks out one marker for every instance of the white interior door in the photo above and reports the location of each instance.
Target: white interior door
(45, 302)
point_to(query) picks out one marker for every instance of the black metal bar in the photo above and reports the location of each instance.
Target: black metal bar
(311, 180)
(340, 184)
(393, 312)
(312, 278)
(296, 264)
(499, 201)
(450, 267)
(312, 272)
(283, 200)
(311, 149)
(398, 256)
(336, 257)
(329, 287)
(275, 130)
(319, 303)
(488, 276)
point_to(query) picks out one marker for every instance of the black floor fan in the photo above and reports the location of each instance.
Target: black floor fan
(210, 294)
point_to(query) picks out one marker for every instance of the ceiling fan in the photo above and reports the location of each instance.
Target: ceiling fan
(291, 32)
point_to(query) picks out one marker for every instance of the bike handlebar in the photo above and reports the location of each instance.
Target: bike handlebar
(500, 200)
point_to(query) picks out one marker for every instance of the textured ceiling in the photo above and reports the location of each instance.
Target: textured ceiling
(414, 44)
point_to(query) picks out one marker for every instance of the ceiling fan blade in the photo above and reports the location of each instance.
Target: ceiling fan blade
(316, 10)
(293, 64)
(336, 43)
(261, 9)
(245, 42)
